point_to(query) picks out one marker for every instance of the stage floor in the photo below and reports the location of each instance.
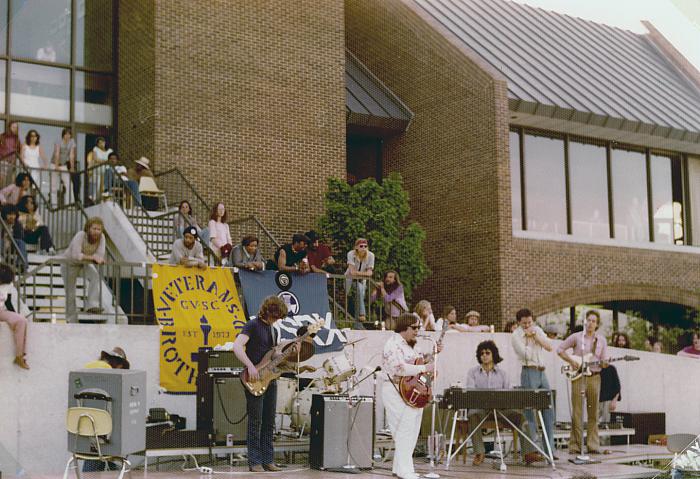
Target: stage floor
(610, 467)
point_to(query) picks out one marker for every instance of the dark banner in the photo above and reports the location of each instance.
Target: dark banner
(306, 298)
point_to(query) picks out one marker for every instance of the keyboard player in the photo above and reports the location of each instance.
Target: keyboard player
(489, 376)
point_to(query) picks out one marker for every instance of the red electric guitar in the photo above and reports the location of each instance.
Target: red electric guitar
(417, 391)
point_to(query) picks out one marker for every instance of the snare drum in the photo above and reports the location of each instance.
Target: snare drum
(338, 368)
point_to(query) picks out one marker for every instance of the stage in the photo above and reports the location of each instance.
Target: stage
(612, 466)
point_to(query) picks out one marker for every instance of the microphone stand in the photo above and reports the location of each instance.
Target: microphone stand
(433, 439)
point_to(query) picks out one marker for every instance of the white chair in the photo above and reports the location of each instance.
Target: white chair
(148, 188)
(95, 424)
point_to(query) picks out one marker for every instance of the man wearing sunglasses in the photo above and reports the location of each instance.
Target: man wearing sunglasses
(402, 419)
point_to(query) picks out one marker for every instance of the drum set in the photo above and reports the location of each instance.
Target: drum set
(294, 401)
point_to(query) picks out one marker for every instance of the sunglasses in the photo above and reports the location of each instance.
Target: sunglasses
(363, 246)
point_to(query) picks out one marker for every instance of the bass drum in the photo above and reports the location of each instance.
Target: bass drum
(338, 368)
(286, 388)
(301, 408)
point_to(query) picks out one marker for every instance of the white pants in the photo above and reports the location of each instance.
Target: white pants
(404, 424)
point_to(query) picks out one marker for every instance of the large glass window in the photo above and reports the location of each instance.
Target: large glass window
(662, 199)
(41, 29)
(515, 190)
(3, 79)
(3, 27)
(39, 91)
(629, 185)
(545, 185)
(93, 98)
(93, 34)
(589, 190)
(694, 195)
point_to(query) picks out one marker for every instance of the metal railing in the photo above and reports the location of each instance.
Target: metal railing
(12, 250)
(349, 298)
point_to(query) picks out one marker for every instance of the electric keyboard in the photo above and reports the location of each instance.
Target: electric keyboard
(458, 398)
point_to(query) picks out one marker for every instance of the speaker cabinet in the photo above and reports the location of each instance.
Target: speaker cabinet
(221, 407)
(644, 424)
(341, 431)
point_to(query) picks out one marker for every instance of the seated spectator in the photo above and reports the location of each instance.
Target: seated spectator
(472, 318)
(510, 327)
(118, 170)
(424, 311)
(390, 290)
(448, 318)
(620, 340)
(319, 254)
(9, 307)
(35, 232)
(290, 256)
(10, 215)
(187, 251)
(692, 351)
(184, 219)
(360, 267)
(11, 194)
(86, 249)
(246, 254)
(219, 233)
(657, 346)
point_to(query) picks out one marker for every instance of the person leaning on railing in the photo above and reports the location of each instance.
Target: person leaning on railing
(187, 251)
(86, 249)
(390, 291)
(9, 307)
(246, 254)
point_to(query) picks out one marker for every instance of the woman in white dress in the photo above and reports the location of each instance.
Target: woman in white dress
(97, 156)
(33, 157)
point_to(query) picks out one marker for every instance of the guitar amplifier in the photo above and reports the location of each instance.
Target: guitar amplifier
(218, 362)
(221, 408)
(341, 431)
(644, 424)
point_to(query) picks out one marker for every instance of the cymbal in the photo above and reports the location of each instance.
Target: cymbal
(354, 342)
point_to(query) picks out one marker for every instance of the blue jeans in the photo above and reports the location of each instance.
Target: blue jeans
(261, 425)
(361, 284)
(534, 379)
(111, 181)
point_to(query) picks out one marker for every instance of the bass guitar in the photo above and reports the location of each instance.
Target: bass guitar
(583, 365)
(270, 366)
(417, 391)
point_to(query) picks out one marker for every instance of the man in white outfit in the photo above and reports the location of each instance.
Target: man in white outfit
(403, 420)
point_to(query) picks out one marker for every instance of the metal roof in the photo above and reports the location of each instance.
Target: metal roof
(369, 103)
(561, 66)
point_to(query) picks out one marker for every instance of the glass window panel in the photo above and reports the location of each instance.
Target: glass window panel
(589, 191)
(93, 34)
(515, 191)
(41, 29)
(629, 185)
(40, 92)
(3, 26)
(93, 98)
(545, 184)
(694, 195)
(662, 199)
(3, 78)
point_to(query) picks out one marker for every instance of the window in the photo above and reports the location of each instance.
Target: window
(363, 158)
(589, 190)
(515, 190)
(41, 29)
(629, 186)
(93, 98)
(694, 195)
(39, 91)
(545, 186)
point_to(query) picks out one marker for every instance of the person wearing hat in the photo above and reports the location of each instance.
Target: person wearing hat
(187, 251)
(360, 267)
(114, 359)
(472, 318)
(319, 254)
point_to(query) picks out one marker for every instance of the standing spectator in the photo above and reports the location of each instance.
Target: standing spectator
(246, 254)
(10, 215)
(290, 256)
(692, 351)
(33, 156)
(117, 169)
(35, 231)
(472, 318)
(448, 318)
(99, 155)
(11, 194)
(390, 290)
(319, 254)
(424, 311)
(220, 233)
(657, 346)
(184, 219)
(187, 251)
(9, 149)
(86, 249)
(360, 266)
(64, 158)
(620, 340)
(9, 307)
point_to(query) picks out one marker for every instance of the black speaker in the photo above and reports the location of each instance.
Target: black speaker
(341, 431)
(221, 408)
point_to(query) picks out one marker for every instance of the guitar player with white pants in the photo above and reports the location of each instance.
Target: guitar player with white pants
(586, 342)
(403, 420)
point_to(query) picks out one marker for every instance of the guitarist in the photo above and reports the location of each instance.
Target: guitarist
(402, 419)
(256, 337)
(585, 342)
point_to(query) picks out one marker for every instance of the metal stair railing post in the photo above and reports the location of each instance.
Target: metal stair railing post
(11, 253)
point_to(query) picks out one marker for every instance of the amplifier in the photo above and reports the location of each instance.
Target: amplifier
(341, 431)
(221, 408)
(218, 362)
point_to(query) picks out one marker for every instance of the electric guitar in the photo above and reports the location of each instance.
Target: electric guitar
(583, 365)
(271, 367)
(417, 391)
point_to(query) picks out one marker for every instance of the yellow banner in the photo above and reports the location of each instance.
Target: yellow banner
(195, 308)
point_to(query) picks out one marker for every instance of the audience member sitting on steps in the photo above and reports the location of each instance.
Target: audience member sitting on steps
(360, 267)
(187, 251)
(9, 307)
(35, 232)
(246, 254)
(117, 169)
(319, 254)
(290, 256)
(86, 249)
(11, 194)
(219, 233)
(10, 215)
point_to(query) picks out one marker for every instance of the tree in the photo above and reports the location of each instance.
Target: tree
(377, 212)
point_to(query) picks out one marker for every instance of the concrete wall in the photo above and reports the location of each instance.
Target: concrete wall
(32, 419)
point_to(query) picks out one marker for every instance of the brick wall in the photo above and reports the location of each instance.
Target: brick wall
(250, 104)
(453, 157)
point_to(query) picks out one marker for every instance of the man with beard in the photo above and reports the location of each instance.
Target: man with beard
(390, 290)
(187, 251)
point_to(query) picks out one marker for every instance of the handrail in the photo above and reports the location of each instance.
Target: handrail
(372, 320)
(15, 257)
(187, 182)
